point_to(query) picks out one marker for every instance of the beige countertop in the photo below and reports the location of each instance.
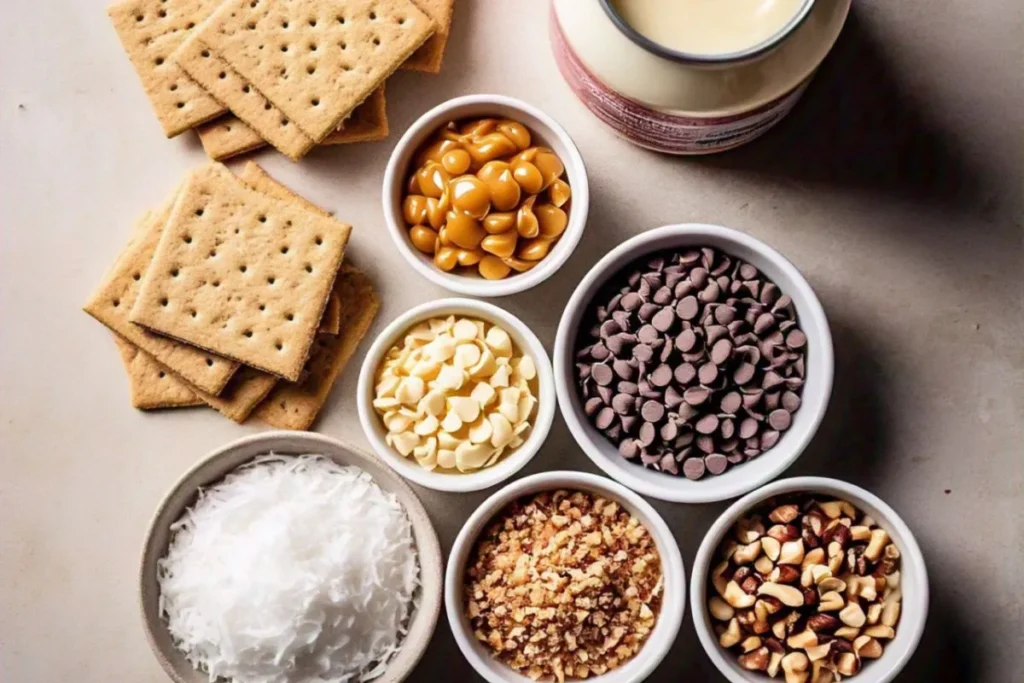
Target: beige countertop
(895, 186)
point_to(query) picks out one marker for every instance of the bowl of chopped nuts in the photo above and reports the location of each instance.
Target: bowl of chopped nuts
(808, 580)
(456, 395)
(559, 534)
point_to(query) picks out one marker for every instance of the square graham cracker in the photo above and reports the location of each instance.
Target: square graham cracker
(430, 55)
(331, 322)
(150, 30)
(320, 58)
(113, 299)
(245, 101)
(229, 136)
(296, 405)
(241, 274)
(150, 385)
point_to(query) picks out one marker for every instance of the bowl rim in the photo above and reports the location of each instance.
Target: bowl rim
(670, 615)
(428, 547)
(908, 637)
(633, 248)
(732, 58)
(470, 286)
(504, 468)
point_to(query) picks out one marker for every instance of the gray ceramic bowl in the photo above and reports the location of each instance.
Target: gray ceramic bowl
(227, 458)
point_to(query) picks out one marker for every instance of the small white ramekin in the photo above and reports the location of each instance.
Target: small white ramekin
(546, 131)
(738, 479)
(523, 338)
(673, 602)
(913, 578)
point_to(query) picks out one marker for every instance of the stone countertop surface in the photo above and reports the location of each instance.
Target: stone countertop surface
(895, 186)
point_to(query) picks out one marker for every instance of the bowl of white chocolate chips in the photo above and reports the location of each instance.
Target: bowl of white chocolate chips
(456, 395)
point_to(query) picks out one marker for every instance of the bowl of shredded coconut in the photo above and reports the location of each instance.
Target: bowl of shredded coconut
(290, 558)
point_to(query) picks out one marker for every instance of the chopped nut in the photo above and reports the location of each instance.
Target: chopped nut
(890, 613)
(784, 532)
(816, 652)
(788, 595)
(880, 631)
(718, 578)
(859, 533)
(815, 556)
(831, 509)
(750, 644)
(748, 530)
(745, 554)
(720, 609)
(785, 574)
(771, 547)
(773, 664)
(795, 662)
(847, 664)
(867, 647)
(831, 601)
(784, 514)
(763, 565)
(731, 635)
(803, 640)
(852, 615)
(823, 623)
(755, 661)
(792, 552)
(847, 633)
(831, 584)
(737, 597)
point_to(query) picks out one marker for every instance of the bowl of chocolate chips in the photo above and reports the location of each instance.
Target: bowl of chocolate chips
(693, 363)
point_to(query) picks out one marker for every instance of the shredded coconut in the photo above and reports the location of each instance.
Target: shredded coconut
(290, 570)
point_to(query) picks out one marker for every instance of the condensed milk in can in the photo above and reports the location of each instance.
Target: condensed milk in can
(692, 76)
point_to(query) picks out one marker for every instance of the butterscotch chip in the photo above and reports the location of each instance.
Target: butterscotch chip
(320, 58)
(150, 385)
(241, 274)
(150, 30)
(114, 298)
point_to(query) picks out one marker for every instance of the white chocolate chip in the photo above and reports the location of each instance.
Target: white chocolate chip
(447, 441)
(483, 394)
(410, 390)
(465, 407)
(404, 442)
(466, 356)
(465, 330)
(499, 341)
(427, 426)
(485, 367)
(446, 458)
(451, 422)
(450, 378)
(500, 377)
(527, 369)
(471, 456)
(501, 430)
(480, 431)
(433, 403)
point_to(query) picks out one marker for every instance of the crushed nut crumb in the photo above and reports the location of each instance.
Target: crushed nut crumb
(563, 584)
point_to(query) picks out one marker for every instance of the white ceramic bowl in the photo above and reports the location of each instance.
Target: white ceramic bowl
(913, 578)
(738, 479)
(524, 340)
(228, 458)
(546, 131)
(673, 603)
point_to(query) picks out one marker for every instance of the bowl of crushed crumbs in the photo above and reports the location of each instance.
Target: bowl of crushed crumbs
(565, 576)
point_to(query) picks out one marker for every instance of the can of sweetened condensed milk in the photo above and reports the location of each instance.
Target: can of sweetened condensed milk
(692, 76)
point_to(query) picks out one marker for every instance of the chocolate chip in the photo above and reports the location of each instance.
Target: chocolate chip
(707, 373)
(693, 468)
(664, 319)
(715, 332)
(662, 296)
(747, 271)
(699, 277)
(796, 339)
(668, 464)
(629, 449)
(647, 334)
(687, 308)
(769, 439)
(647, 311)
(643, 352)
(672, 398)
(780, 419)
(652, 411)
(661, 376)
(686, 340)
(622, 404)
(731, 402)
(604, 418)
(790, 401)
(599, 352)
(592, 406)
(705, 443)
(748, 428)
(769, 293)
(622, 318)
(721, 351)
(727, 428)
(647, 433)
(716, 463)
(771, 380)
(605, 393)
(608, 328)
(628, 423)
(631, 301)
(707, 424)
(668, 432)
(628, 388)
(695, 396)
(743, 373)
(602, 374)
(623, 369)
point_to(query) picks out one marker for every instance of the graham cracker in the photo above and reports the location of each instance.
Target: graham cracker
(150, 30)
(150, 385)
(113, 300)
(229, 136)
(241, 274)
(296, 406)
(243, 393)
(430, 55)
(245, 101)
(368, 122)
(331, 322)
(259, 180)
(320, 58)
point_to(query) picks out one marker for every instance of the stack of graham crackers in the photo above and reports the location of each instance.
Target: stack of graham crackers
(289, 73)
(233, 294)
